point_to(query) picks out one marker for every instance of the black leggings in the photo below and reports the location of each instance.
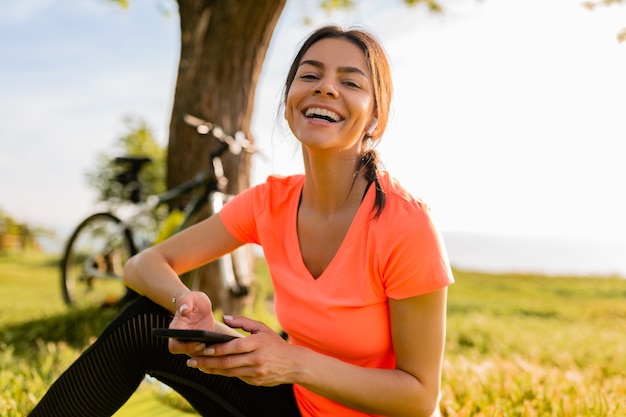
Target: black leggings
(108, 372)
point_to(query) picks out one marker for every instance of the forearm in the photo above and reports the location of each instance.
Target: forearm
(149, 274)
(389, 392)
(154, 271)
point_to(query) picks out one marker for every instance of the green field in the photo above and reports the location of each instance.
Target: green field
(518, 345)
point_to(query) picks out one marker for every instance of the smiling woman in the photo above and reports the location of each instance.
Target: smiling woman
(379, 80)
(360, 275)
(328, 100)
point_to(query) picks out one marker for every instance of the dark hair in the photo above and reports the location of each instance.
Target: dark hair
(381, 77)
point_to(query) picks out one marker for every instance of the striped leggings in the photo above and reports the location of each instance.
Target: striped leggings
(102, 379)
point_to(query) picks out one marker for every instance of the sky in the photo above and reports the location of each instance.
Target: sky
(508, 115)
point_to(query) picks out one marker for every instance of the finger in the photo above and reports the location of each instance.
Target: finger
(247, 324)
(182, 309)
(238, 346)
(189, 308)
(222, 365)
(243, 372)
(252, 375)
(223, 328)
(194, 302)
(188, 348)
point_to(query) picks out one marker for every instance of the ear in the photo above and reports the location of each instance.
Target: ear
(372, 127)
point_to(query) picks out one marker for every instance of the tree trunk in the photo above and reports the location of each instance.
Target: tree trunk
(223, 46)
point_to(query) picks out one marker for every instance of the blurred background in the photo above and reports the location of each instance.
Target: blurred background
(508, 117)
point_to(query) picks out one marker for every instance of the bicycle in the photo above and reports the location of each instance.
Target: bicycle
(95, 254)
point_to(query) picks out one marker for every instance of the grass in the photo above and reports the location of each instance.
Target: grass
(518, 345)
(524, 345)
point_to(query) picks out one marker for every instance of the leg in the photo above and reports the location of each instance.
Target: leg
(105, 375)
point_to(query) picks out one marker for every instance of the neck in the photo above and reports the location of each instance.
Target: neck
(332, 183)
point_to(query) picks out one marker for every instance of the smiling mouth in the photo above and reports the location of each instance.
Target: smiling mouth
(323, 114)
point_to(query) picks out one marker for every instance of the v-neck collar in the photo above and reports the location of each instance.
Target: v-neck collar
(360, 216)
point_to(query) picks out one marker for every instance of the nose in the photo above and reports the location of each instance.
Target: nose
(324, 88)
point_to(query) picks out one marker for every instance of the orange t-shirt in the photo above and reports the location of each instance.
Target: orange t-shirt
(344, 312)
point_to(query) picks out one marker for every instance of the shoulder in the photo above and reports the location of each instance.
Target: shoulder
(284, 182)
(273, 194)
(251, 211)
(277, 187)
(399, 201)
(410, 245)
(277, 184)
(406, 219)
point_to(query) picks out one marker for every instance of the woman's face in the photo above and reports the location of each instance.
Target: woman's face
(330, 104)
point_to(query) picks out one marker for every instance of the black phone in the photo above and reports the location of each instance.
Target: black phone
(186, 335)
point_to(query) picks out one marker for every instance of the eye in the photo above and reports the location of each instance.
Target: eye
(351, 84)
(308, 77)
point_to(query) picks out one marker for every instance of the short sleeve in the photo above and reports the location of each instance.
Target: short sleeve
(416, 261)
(239, 214)
(257, 214)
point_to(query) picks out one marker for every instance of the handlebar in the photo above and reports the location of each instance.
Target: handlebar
(235, 144)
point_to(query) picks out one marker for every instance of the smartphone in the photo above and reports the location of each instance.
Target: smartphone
(186, 335)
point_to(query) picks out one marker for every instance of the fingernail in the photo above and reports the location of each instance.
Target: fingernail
(209, 351)
(227, 317)
(192, 362)
(199, 347)
(183, 308)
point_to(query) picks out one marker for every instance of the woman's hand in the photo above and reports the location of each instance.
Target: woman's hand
(261, 359)
(194, 311)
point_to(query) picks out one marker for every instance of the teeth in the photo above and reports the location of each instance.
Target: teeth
(317, 112)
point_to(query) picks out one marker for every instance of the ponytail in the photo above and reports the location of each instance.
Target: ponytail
(369, 160)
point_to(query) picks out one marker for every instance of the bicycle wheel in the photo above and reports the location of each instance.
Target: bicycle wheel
(93, 262)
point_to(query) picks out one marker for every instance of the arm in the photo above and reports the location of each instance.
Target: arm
(411, 389)
(155, 271)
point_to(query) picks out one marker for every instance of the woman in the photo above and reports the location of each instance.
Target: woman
(359, 271)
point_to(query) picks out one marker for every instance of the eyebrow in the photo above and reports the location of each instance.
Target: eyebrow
(320, 65)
